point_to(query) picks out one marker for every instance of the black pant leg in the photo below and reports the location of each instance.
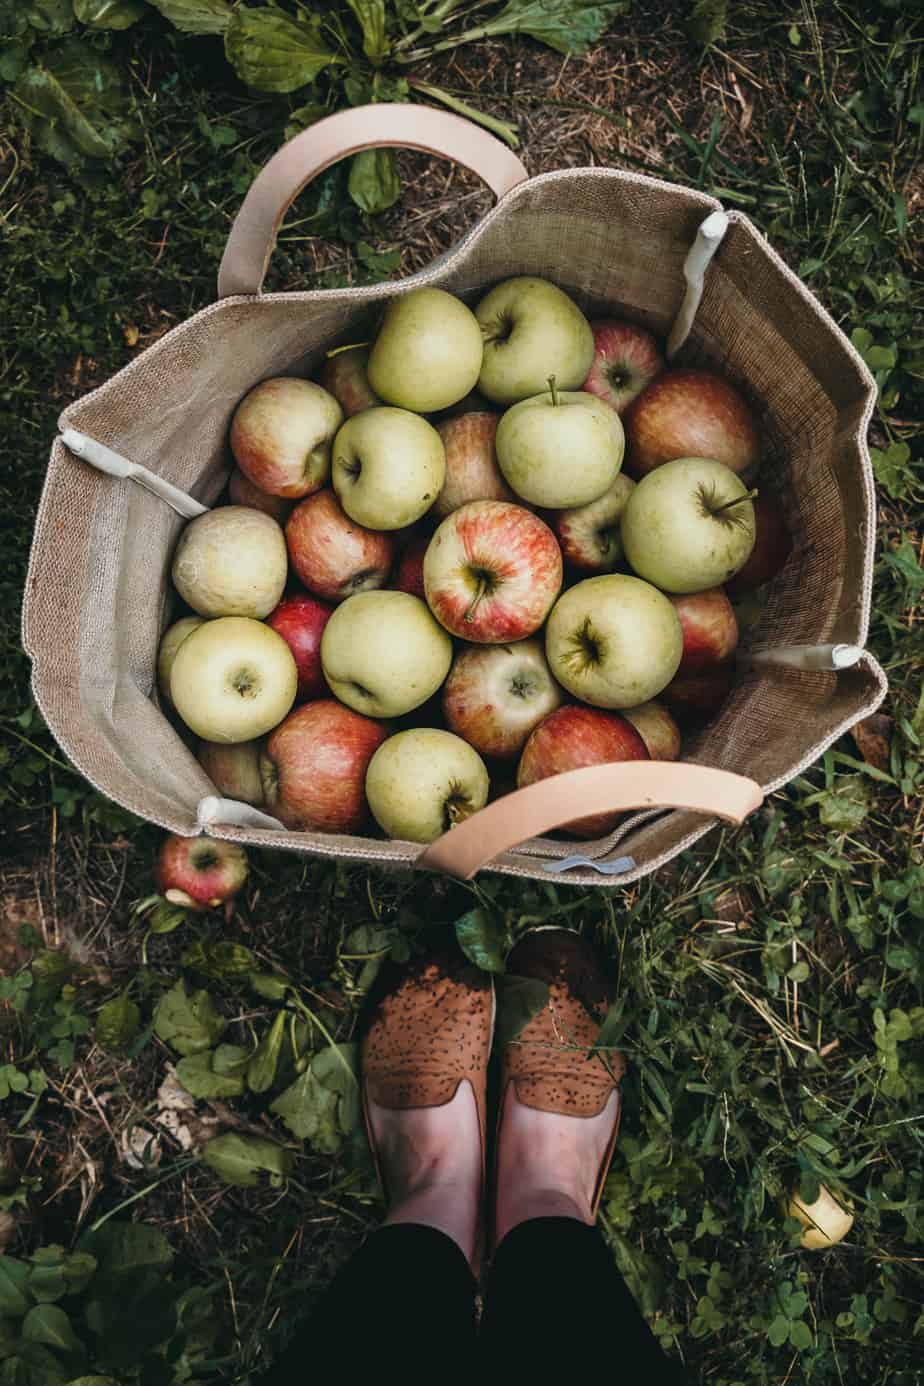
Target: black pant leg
(408, 1293)
(555, 1296)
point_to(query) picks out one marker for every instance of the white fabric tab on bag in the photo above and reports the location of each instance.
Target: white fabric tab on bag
(211, 809)
(617, 867)
(810, 657)
(105, 460)
(708, 239)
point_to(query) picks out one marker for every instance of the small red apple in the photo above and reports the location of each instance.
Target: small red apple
(281, 435)
(657, 729)
(333, 555)
(472, 472)
(772, 546)
(243, 492)
(233, 768)
(300, 620)
(710, 630)
(492, 572)
(409, 577)
(344, 375)
(690, 413)
(496, 694)
(200, 873)
(314, 767)
(589, 534)
(626, 359)
(694, 699)
(572, 738)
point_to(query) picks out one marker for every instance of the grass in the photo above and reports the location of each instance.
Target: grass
(770, 984)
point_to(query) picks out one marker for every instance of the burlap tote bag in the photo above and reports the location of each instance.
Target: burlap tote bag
(98, 595)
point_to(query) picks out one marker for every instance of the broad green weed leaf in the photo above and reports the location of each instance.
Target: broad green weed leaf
(195, 16)
(519, 1000)
(241, 1159)
(57, 1272)
(707, 20)
(271, 51)
(109, 14)
(49, 1325)
(845, 808)
(480, 940)
(309, 1110)
(371, 16)
(198, 1076)
(15, 1298)
(261, 1071)
(53, 17)
(568, 26)
(75, 103)
(124, 1248)
(270, 986)
(117, 1022)
(220, 962)
(374, 184)
(189, 1023)
(230, 1058)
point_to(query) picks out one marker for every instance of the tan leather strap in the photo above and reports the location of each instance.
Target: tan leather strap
(550, 803)
(389, 124)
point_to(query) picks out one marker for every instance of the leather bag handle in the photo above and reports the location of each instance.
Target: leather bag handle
(474, 843)
(382, 126)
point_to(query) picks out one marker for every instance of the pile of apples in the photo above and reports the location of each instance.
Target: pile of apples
(486, 597)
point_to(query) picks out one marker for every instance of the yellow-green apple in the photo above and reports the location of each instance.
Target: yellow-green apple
(657, 729)
(688, 526)
(231, 562)
(333, 555)
(345, 375)
(573, 738)
(388, 467)
(560, 449)
(589, 534)
(233, 679)
(695, 699)
(234, 770)
(772, 546)
(496, 694)
(626, 359)
(300, 620)
(172, 640)
(422, 781)
(200, 873)
(243, 492)
(427, 354)
(531, 330)
(472, 472)
(409, 573)
(384, 654)
(613, 641)
(281, 435)
(690, 413)
(492, 572)
(314, 767)
(825, 1222)
(710, 631)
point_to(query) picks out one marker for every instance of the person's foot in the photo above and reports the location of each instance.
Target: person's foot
(425, 1054)
(559, 1109)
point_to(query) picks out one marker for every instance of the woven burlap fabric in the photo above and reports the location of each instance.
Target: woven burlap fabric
(98, 594)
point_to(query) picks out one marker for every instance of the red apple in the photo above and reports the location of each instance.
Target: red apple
(281, 435)
(589, 534)
(243, 492)
(572, 738)
(344, 375)
(472, 472)
(409, 577)
(300, 620)
(332, 554)
(496, 694)
(690, 413)
(233, 768)
(772, 546)
(314, 767)
(200, 873)
(694, 699)
(657, 729)
(492, 572)
(626, 359)
(710, 630)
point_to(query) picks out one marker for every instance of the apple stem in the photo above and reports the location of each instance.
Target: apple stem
(348, 346)
(553, 390)
(482, 590)
(457, 811)
(737, 501)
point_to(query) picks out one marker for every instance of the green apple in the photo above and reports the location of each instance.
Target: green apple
(231, 562)
(427, 354)
(171, 642)
(389, 466)
(531, 330)
(688, 525)
(560, 449)
(420, 782)
(233, 679)
(383, 653)
(613, 641)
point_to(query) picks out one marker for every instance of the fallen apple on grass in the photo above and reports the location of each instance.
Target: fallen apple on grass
(690, 413)
(561, 448)
(314, 767)
(233, 769)
(200, 873)
(772, 546)
(531, 330)
(626, 359)
(472, 472)
(300, 620)
(491, 572)
(281, 435)
(573, 738)
(233, 679)
(589, 535)
(710, 630)
(345, 375)
(333, 555)
(171, 641)
(422, 781)
(243, 492)
(427, 353)
(388, 467)
(231, 562)
(383, 654)
(657, 729)
(826, 1221)
(496, 694)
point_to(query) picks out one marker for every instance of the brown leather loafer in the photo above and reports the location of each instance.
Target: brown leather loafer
(549, 1062)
